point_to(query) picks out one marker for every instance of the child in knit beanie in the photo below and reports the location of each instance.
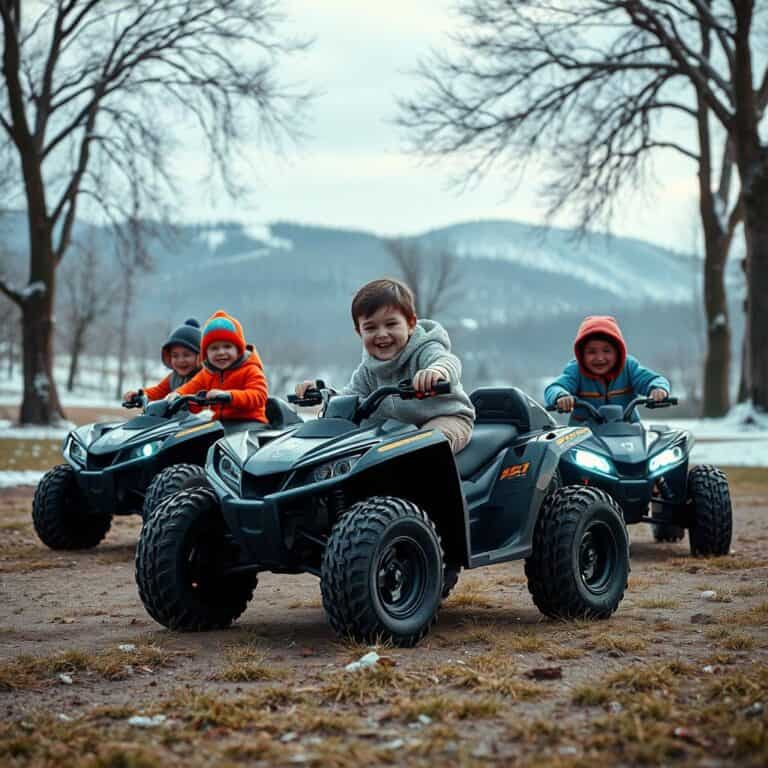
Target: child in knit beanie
(180, 353)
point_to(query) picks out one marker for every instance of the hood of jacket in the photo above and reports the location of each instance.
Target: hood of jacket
(602, 325)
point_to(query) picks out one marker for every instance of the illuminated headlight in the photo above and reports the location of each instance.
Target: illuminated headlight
(593, 461)
(146, 450)
(665, 458)
(334, 468)
(76, 451)
(229, 471)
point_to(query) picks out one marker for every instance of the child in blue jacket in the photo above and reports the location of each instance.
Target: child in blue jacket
(602, 372)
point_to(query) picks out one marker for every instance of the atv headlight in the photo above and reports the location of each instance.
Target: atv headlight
(665, 458)
(593, 461)
(229, 471)
(334, 468)
(76, 451)
(146, 450)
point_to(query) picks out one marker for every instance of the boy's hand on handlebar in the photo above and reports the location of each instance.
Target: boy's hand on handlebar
(216, 393)
(301, 389)
(129, 395)
(658, 394)
(171, 396)
(565, 403)
(425, 379)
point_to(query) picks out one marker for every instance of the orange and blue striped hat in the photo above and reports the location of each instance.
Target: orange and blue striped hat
(222, 327)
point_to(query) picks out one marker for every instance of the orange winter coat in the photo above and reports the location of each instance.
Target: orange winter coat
(244, 380)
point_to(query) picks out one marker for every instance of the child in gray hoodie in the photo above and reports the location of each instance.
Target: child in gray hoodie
(396, 346)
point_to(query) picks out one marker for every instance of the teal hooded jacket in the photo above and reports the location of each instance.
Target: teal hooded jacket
(627, 380)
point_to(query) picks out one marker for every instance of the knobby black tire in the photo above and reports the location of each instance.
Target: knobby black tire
(450, 578)
(553, 569)
(664, 532)
(60, 513)
(349, 581)
(177, 477)
(163, 575)
(710, 511)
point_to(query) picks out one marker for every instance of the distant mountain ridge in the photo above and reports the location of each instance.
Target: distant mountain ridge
(523, 287)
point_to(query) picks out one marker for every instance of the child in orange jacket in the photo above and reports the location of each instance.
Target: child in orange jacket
(180, 353)
(232, 367)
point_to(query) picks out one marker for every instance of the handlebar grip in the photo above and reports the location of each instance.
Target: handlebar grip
(292, 398)
(551, 408)
(220, 398)
(442, 388)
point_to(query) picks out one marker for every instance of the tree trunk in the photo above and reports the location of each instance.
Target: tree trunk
(717, 364)
(75, 350)
(123, 341)
(41, 400)
(756, 229)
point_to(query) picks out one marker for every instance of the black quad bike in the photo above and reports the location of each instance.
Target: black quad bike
(120, 468)
(386, 516)
(645, 468)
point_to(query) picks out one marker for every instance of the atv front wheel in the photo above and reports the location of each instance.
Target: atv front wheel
(450, 578)
(181, 560)
(177, 477)
(382, 572)
(711, 515)
(60, 512)
(580, 560)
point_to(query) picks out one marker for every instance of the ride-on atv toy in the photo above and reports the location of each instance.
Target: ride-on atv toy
(644, 467)
(386, 517)
(120, 468)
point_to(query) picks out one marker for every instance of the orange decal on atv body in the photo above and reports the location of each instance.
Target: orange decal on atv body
(516, 470)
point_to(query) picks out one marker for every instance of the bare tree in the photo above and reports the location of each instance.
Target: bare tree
(591, 85)
(89, 295)
(93, 96)
(432, 275)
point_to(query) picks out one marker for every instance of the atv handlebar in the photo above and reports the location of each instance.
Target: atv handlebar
(139, 400)
(404, 390)
(199, 398)
(648, 402)
(312, 396)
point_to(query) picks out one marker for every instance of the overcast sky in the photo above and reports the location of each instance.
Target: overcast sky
(352, 170)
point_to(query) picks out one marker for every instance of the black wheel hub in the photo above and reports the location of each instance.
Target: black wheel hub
(598, 553)
(401, 577)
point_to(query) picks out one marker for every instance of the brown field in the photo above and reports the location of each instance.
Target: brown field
(671, 679)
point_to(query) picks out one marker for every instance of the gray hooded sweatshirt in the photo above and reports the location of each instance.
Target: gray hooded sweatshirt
(429, 346)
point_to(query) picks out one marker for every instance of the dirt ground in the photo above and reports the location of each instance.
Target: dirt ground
(674, 678)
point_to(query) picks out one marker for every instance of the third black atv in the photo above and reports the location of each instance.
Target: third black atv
(386, 517)
(646, 470)
(119, 468)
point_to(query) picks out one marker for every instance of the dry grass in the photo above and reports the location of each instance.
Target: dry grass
(470, 595)
(755, 616)
(616, 642)
(248, 664)
(445, 707)
(30, 672)
(659, 602)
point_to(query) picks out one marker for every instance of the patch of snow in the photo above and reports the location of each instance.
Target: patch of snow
(263, 233)
(721, 214)
(37, 287)
(12, 479)
(213, 238)
(719, 321)
(10, 432)
(42, 386)
(469, 323)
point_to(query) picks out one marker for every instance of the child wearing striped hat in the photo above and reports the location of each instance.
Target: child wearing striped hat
(180, 353)
(232, 367)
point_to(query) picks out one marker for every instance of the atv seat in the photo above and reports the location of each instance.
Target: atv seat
(486, 442)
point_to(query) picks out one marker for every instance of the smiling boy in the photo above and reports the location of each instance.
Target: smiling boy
(396, 346)
(602, 371)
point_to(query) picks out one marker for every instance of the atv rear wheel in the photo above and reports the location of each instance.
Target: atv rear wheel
(180, 562)
(382, 572)
(177, 477)
(60, 512)
(711, 516)
(580, 560)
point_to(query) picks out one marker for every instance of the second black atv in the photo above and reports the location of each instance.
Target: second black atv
(386, 517)
(120, 468)
(646, 469)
